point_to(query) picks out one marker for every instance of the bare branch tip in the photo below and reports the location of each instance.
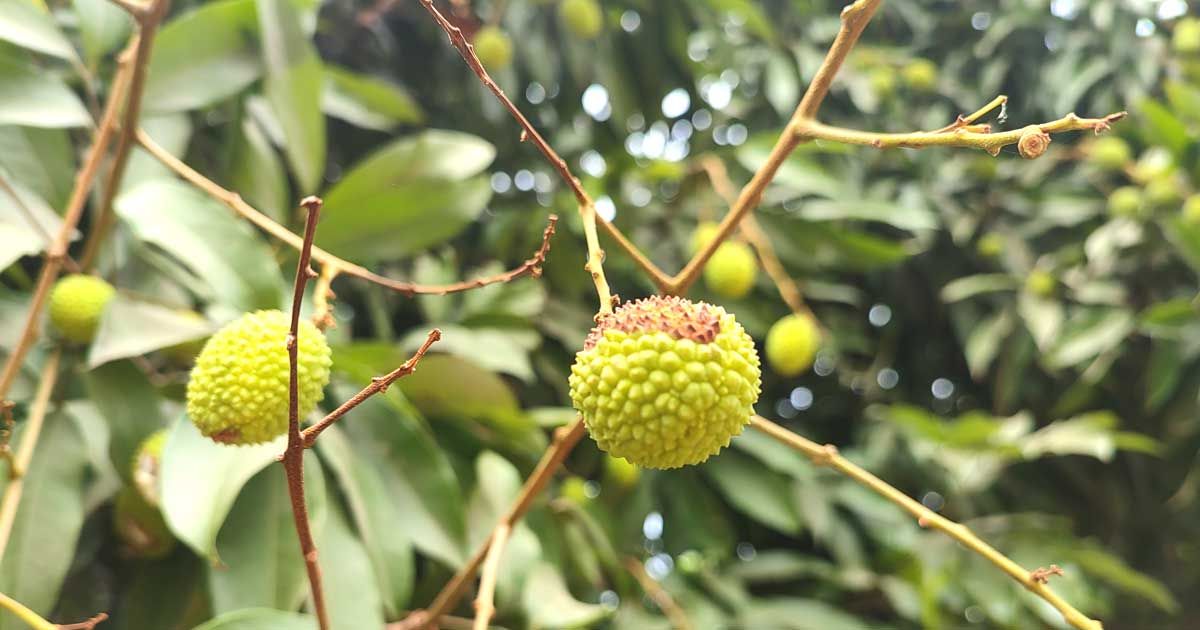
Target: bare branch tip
(311, 203)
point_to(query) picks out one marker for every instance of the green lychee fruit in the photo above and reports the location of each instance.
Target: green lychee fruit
(1191, 209)
(1109, 153)
(238, 390)
(146, 464)
(990, 245)
(1185, 39)
(883, 82)
(1154, 163)
(1163, 192)
(731, 271)
(575, 489)
(705, 232)
(1125, 201)
(666, 382)
(76, 303)
(792, 344)
(1040, 283)
(140, 526)
(583, 18)
(920, 75)
(621, 472)
(493, 47)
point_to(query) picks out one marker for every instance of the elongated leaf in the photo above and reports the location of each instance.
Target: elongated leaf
(102, 25)
(257, 173)
(1089, 334)
(48, 520)
(761, 494)
(130, 406)
(549, 604)
(24, 24)
(33, 98)
(203, 57)
(260, 619)
(366, 101)
(160, 594)
(351, 591)
(130, 328)
(970, 286)
(196, 505)
(293, 87)
(41, 160)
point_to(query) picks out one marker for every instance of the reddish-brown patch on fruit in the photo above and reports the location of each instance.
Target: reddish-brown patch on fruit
(227, 436)
(678, 317)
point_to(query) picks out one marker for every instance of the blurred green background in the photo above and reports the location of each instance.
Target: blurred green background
(1015, 343)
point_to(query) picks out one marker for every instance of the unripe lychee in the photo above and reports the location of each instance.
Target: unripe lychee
(146, 464)
(883, 82)
(666, 382)
(620, 472)
(1186, 37)
(1040, 283)
(920, 75)
(583, 17)
(576, 490)
(1191, 209)
(990, 245)
(705, 232)
(731, 270)
(140, 526)
(792, 344)
(493, 47)
(1125, 201)
(76, 303)
(1109, 153)
(238, 391)
(1163, 192)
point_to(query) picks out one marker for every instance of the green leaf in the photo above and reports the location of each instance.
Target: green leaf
(550, 605)
(159, 594)
(207, 238)
(388, 547)
(129, 404)
(24, 24)
(350, 589)
(49, 520)
(1115, 571)
(412, 194)
(41, 160)
(1087, 434)
(171, 132)
(969, 286)
(196, 505)
(293, 88)
(763, 495)
(260, 619)
(366, 101)
(1185, 237)
(203, 57)
(32, 97)
(1088, 334)
(496, 349)
(261, 561)
(102, 26)
(27, 228)
(131, 328)
(497, 485)
(256, 173)
(785, 613)
(911, 218)
(449, 387)
(1161, 127)
(985, 342)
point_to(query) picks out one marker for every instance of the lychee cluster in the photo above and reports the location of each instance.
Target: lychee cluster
(665, 382)
(238, 391)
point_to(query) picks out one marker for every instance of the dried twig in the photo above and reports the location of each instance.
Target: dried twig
(35, 621)
(378, 384)
(827, 455)
(678, 618)
(234, 201)
(29, 439)
(485, 606)
(293, 457)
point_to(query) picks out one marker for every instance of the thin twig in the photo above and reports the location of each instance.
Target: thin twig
(445, 622)
(35, 621)
(57, 252)
(293, 457)
(827, 455)
(90, 624)
(27, 214)
(6, 432)
(965, 121)
(678, 618)
(587, 208)
(234, 201)
(378, 384)
(485, 601)
(565, 439)
(148, 19)
(29, 439)
(323, 297)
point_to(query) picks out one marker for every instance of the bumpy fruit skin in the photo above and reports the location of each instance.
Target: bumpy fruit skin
(705, 232)
(1125, 201)
(920, 75)
(140, 526)
(1040, 283)
(1191, 209)
(731, 271)
(1186, 38)
(238, 391)
(493, 47)
(146, 463)
(665, 382)
(792, 344)
(1109, 153)
(76, 303)
(583, 17)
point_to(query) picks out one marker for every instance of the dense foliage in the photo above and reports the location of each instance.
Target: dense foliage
(1013, 342)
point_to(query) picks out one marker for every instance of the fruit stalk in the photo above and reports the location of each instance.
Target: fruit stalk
(293, 457)
(827, 455)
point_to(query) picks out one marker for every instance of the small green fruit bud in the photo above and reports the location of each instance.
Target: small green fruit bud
(792, 344)
(493, 47)
(583, 18)
(732, 269)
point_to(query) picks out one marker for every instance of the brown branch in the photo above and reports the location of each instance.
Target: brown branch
(565, 439)
(445, 622)
(485, 606)
(235, 202)
(57, 252)
(11, 499)
(323, 297)
(678, 618)
(6, 454)
(90, 624)
(35, 621)
(148, 19)
(827, 455)
(293, 457)
(378, 384)
(530, 133)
